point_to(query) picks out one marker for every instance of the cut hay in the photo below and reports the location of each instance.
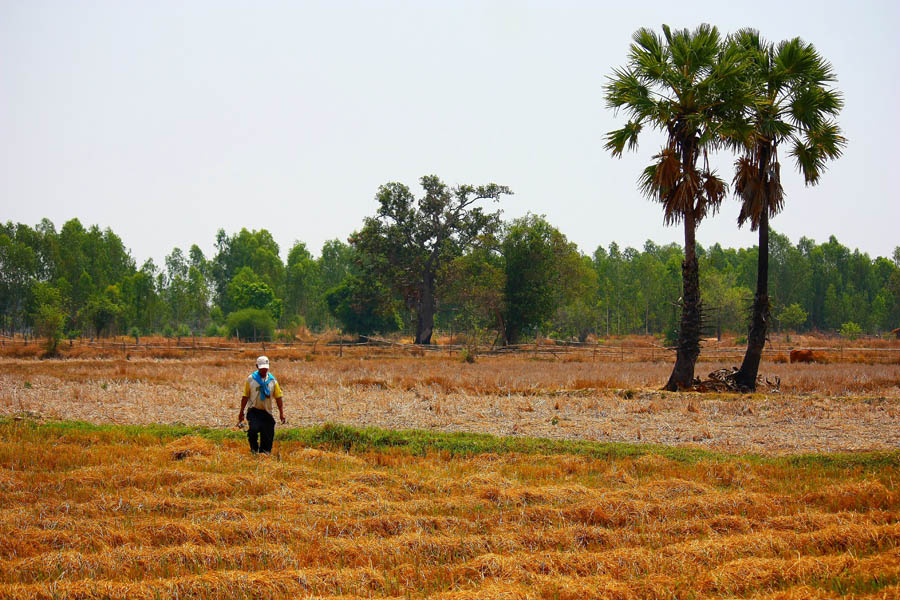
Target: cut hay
(189, 445)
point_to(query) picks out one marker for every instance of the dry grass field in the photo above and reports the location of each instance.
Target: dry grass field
(120, 513)
(820, 407)
(741, 497)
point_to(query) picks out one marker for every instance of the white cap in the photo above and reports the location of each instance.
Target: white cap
(262, 362)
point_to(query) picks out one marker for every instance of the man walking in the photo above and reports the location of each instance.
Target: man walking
(259, 389)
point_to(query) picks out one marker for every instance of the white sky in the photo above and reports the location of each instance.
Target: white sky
(168, 120)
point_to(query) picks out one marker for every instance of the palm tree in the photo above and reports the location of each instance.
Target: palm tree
(687, 85)
(793, 104)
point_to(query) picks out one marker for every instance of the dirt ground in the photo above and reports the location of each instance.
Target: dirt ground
(820, 408)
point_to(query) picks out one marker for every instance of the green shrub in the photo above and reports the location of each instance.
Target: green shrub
(49, 316)
(251, 324)
(850, 330)
(671, 336)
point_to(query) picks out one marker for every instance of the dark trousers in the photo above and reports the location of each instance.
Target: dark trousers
(260, 425)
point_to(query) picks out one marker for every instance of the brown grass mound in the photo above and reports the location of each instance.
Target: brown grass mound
(127, 517)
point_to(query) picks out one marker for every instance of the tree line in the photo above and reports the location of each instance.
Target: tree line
(514, 281)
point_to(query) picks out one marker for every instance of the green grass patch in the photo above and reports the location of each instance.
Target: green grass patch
(419, 442)
(860, 584)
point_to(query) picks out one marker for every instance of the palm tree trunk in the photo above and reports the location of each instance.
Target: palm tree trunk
(759, 320)
(691, 317)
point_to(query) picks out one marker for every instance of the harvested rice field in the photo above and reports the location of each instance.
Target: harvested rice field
(141, 513)
(818, 408)
(124, 477)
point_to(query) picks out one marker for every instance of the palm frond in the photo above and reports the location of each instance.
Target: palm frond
(713, 191)
(618, 140)
(748, 38)
(828, 139)
(817, 146)
(796, 60)
(681, 198)
(747, 188)
(648, 56)
(774, 190)
(758, 191)
(661, 176)
(625, 90)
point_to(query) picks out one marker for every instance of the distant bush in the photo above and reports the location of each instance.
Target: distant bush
(850, 330)
(213, 330)
(671, 336)
(466, 355)
(49, 316)
(251, 324)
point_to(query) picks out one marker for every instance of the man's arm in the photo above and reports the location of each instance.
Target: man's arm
(280, 408)
(243, 406)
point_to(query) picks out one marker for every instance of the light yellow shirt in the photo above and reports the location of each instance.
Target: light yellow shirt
(251, 391)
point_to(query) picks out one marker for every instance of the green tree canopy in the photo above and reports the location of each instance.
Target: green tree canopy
(363, 307)
(408, 240)
(543, 270)
(256, 250)
(247, 290)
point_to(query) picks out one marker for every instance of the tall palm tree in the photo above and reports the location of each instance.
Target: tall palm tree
(688, 85)
(793, 104)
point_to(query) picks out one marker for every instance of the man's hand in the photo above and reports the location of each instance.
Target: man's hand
(240, 417)
(283, 420)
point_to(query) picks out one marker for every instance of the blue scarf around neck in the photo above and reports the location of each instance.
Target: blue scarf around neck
(263, 385)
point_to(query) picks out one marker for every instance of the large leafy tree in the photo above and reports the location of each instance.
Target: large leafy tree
(688, 85)
(472, 289)
(301, 279)
(793, 104)
(254, 249)
(364, 306)
(248, 290)
(18, 265)
(543, 271)
(409, 239)
(333, 266)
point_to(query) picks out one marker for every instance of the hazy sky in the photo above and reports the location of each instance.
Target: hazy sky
(169, 120)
